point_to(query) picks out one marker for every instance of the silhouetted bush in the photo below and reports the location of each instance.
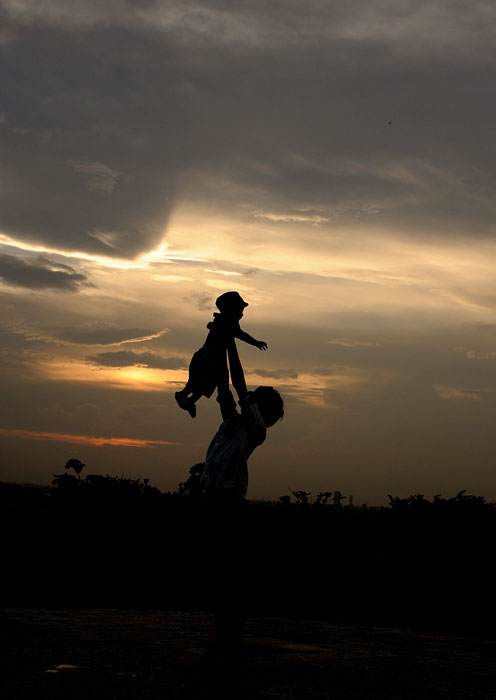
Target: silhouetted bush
(118, 542)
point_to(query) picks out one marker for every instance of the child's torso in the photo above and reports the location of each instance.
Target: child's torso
(222, 331)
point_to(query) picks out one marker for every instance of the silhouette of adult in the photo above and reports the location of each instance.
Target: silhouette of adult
(225, 481)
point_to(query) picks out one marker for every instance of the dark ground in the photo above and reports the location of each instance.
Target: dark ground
(118, 654)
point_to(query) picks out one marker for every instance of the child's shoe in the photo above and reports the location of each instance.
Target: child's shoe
(186, 404)
(181, 400)
(191, 408)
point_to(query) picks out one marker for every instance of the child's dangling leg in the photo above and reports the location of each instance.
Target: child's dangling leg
(199, 369)
(186, 401)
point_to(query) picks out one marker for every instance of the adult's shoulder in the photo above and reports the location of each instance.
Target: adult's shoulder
(252, 416)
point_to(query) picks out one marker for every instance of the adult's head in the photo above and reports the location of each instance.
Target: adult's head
(270, 404)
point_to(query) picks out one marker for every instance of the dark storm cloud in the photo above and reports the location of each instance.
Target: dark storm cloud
(130, 358)
(40, 274)
(90, 144)
(110, 110)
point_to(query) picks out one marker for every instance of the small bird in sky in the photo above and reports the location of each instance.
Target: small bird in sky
(390, 122)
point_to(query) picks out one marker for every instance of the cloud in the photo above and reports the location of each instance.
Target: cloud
(103, 335)
(251, 107)
(98, 176)
(88, 440)
(130, 130)
(453, 392)
(40, 273)
(275, 373)
(476, 354)
(413, 24)
(204, 301)
(296, 217)
(352, 343)
(85, 164)
(481, 355)
(335, 370)
(227, 273)
(172, 278)
(130, 358)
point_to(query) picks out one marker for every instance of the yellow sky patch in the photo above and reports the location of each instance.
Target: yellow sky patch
(131, 378)
(316, 389)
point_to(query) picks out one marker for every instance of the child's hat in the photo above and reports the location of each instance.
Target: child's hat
(230, 300)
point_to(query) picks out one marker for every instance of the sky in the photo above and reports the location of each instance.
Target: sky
(333, 162)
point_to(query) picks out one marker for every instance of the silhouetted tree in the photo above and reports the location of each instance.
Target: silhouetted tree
(76, 465)
(192, 487)
(337, 498)
(323, 497)
(65, 481)
(302, 497)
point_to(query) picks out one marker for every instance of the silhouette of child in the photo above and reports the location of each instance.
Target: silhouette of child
(208, 367)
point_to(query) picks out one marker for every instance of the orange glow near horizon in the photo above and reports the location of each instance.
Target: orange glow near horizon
(132, 378)
(88, 440)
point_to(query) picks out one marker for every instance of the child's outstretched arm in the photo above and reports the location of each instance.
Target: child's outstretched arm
(247, 338)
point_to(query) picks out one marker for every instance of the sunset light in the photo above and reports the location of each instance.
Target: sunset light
(332, 164)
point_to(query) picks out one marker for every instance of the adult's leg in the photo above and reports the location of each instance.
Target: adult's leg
(228, 519)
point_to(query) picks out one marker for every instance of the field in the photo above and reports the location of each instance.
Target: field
(123, 654)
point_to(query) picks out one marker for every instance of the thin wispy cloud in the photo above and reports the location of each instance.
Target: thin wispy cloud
(275, 373)
(86, 440)
(99, 335)
(454, 393)
(477, 354)
(103, 335)
(288, 218)
(131, 358)
(353, 343)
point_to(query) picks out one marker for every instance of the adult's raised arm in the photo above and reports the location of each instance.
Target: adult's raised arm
(237, 374)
